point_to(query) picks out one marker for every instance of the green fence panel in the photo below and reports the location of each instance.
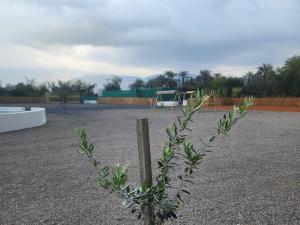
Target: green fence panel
(148, 93)
(90, 98)
(142, 93)
(167, 98)
(121, 93)
(151, 93)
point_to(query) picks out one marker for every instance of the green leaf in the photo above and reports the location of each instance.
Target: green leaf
(188, 181)
(212, 139)
(185, 191)
(180, 177)
(127, 203)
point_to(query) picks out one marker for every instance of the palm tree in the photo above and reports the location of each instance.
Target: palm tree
(252, 84)
(291, 76)
(113, 84)
(263, 71)
(137, 84)
(169, 79)
(218, 82)
(248, 77)
(161, 81)
(292, 63)
(183, 75)
(206, 77)
(63, 89)
(217, 75)
(170, 74)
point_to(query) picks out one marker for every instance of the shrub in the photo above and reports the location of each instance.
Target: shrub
(158, 196)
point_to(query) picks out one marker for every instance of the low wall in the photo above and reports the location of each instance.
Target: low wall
(126, 101)
(11, 109)
(30, 100)
(25, 100)
(70, 99)
(17, 120)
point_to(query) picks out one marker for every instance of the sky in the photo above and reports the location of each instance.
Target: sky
(65, 39)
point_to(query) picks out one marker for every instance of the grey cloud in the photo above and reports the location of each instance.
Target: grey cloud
(157, 33)
(132, 22)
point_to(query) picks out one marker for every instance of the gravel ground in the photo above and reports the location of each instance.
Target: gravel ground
(250, 177)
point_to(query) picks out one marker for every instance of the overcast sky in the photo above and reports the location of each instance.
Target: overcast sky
(62, 39)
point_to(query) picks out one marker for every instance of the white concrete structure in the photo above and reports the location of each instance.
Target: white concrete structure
(16, 118)
(166, 103)
(159, 103)
(188, 95)
(11, 109)
(90, 102)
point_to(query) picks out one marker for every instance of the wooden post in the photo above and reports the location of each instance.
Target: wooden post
(155, 102)
(142, 130)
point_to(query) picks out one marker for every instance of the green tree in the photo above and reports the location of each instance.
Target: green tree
(218, 82)
(236, 92)
(113, 84)
(190, 84)
(2, 90)
(137, 84)
(157, 82)
(267, 72)
(233, 82)
(161, 81)
(252, 84)
(170, 81)
(290, 76)
(183, 75)
(27, 88)
(41, 89)
(205, 78)
(177, 149)
(83, 89)
(170, 74)
(63, 89)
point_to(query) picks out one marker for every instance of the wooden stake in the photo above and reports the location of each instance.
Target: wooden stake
(142, 130)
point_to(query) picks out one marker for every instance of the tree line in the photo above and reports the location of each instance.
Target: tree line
(266, 81)
(61, 88)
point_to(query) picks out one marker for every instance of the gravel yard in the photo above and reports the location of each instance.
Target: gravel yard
(251, 177)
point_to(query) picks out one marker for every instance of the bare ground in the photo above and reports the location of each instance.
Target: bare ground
(251, 177)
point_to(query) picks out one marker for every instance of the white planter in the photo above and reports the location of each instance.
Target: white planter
(16, 118)
(11, 109)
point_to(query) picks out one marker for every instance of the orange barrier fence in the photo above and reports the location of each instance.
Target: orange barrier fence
(261, 108)
(280, 102)
(274, 102)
